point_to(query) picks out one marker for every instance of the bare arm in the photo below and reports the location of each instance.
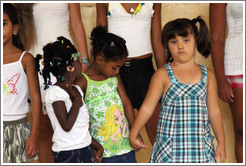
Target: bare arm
(65, 119)
(158, 49)
(217, 18)
(102, 14)
(215, 116)
(78, 30)
(98, 150)
(33, 85)
(128, 109)
(152, 98)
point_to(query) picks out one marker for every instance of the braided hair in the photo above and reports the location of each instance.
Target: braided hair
(182, 27)
(111, 46)
(56, 58)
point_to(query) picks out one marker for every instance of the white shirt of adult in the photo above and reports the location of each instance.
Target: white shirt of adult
(233, 59)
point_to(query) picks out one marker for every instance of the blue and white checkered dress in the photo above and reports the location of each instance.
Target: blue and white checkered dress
(183, 132)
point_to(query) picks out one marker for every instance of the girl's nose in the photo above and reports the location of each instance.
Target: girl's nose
(180, 46)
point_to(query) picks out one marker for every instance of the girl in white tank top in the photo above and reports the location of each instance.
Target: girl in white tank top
(19, 80)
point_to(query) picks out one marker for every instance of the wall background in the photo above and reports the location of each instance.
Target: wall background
(172, 11)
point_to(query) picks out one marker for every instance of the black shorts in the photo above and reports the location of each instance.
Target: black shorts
(136, 75)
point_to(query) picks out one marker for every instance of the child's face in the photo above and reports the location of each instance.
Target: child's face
(8, 29)
(118, 116)
(111, 68)
(182, 48)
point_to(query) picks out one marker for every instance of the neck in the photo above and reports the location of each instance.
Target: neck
(67, 83)
(9, 48)
(94, 70)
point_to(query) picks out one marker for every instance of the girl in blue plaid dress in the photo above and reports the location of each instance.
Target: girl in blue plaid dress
(189, 100)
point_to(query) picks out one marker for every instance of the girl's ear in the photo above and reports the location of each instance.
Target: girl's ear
(99, 59)
(16, 29)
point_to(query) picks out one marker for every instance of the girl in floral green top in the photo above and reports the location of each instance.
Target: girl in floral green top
(111, 112)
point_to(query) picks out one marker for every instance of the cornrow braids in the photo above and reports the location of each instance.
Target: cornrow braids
(57, 56)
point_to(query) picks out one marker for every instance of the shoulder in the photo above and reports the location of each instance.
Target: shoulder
(210, 72)
(160, 75)
(28, 60)
(210, 76)
(81, 82)
(27, 57)
(55, 93)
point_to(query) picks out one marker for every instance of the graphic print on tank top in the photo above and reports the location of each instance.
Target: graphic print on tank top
(9, 85)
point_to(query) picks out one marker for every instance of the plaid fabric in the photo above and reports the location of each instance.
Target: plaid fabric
(183, 132)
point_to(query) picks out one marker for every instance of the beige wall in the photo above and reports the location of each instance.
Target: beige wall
(172, 11)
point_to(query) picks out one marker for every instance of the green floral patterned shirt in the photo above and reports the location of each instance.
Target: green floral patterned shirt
(109, 125)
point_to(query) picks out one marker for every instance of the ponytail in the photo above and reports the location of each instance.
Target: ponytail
(202, 37)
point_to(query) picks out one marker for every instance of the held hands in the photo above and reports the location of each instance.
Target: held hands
(136, 143)
(220, 152)
(225, 91)
(140, 139)
(31, 146)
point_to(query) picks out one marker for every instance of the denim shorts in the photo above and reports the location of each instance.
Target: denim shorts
(125, 158)
(83, 155)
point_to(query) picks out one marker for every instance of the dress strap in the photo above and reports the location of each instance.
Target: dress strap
(170, 73)
(204, 74)
(86, 77)
(23, 53)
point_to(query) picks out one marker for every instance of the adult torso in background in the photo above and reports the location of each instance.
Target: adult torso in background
(234, 42)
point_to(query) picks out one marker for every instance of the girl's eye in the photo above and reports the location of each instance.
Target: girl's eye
(173, 42)
(4, 24)
(187, 40)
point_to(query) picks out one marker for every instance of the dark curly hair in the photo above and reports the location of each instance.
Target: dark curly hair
(111, 46)
(182, 27)
(57, 56)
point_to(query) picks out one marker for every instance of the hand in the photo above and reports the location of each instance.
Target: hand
(225, 91)
(140, 140)
(31, 146)
(220, 152)
(98, 152)
(136, 144)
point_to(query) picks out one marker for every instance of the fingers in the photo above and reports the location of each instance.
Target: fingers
(140, 146)
(216, 155)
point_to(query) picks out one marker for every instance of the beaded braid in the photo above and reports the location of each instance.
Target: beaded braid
(57, 57)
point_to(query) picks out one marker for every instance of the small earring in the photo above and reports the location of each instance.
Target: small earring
(15, 33)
